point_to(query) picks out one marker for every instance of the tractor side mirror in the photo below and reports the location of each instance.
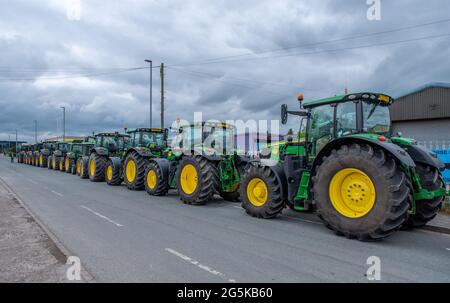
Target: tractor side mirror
(284, 113)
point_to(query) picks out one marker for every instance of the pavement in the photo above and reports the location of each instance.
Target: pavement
(127, 236)
(27, 254)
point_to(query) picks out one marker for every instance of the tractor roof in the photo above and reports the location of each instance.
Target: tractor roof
(371, 97)
(146, 129)
(112, 134)
(211, 123)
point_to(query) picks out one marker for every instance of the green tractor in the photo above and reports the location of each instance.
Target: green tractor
(35, 154)
(21, 155)
(76, 152)
(45, 150)
(144, 144)
(106, 147)
(58, 156)
(363, 182)
(201, 163)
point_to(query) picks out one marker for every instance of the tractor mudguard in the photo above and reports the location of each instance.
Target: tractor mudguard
(116, 162)
(422, 155)
(278, 170)
(164, 164)
(45, 152)
(142, 151)
(100, 151)
(396, 151)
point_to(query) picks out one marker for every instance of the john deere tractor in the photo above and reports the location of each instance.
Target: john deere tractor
(107, 146)
(45, 150)
(58, 156)
(201, 163)
(22, 155)
(144, 144)
(74, 161)
(363, 182)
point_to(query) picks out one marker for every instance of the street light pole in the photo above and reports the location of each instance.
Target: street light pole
(151, 91)
(35, 131)
(64, 122)
(16, 142)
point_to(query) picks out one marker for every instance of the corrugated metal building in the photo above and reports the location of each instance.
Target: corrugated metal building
(424, 114)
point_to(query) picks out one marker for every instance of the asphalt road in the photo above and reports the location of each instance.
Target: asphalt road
(126, 236)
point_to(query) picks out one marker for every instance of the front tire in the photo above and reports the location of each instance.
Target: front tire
(261, 193)
(197, 180)
(112, 175)
(360, 192)
(155, 183)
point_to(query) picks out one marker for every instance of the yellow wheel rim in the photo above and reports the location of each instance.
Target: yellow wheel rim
(109, 172)
(67, 164)
(257, 192)
(189, 179)
(81, 169)
(78, 166)
(151, 179)
(92, 167)
(352, 193)
(41, 160)
(61, 165)
(53, 163)
(131, 171)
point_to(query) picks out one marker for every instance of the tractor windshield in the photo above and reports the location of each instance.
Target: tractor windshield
(76, 148)
(153, 138)
(376, 118)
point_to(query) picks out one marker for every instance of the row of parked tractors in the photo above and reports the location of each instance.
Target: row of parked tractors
(362, 181)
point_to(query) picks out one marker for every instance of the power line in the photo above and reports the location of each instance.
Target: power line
(324, 51)
(74, 76)
(318, 43)
(252, 80)
(203, 75)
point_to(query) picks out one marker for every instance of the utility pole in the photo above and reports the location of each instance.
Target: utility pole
(151, 91)
(64, 122)
(35, 131)
(162, 94)
(16, 142)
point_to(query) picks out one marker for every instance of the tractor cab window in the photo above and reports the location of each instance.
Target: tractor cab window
(219, 138)
(376, 118)
(76, 148)
(109, 141)
(153, 138)
(346, 119)
(321, 127)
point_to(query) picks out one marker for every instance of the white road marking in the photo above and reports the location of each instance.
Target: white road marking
(198, 264)
(101, 216)
(32, 181)
(57, 193)
(448, 249)
(302, 220)
(240, 207)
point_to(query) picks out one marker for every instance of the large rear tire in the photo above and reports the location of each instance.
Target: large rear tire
(261, 193)
(426, 210)
(134, 174)
(67, 165)
(96, 167)
(155, 183)
(197, 180)
(49, 162)
(55, 163)
(360, 192)
(112, 175)
(84, 168)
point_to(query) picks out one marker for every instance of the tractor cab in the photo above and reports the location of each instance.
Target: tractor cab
(114, 142)
(212, 138)
(362, 114)
(152, 138)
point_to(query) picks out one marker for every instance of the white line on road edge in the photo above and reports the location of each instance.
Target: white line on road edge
(32, 181)
(57, 193)
(198, 264)
(101, 216)
(448, 249)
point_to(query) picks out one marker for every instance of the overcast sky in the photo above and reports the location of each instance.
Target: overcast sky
(41, 40)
